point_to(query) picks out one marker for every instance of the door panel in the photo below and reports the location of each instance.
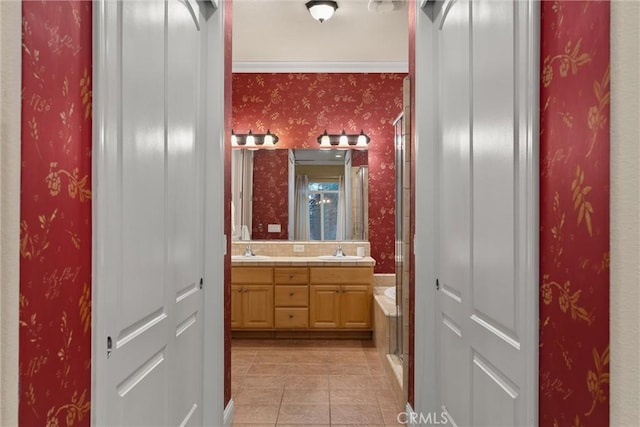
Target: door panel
(454, 255)
(355, 306)
(257, 306)
(185, 210)
(236, 306)
(484, 258)
(324, 306)
(494, 149)
(150, 217)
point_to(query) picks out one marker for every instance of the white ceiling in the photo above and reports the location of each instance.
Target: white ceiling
(283, 33)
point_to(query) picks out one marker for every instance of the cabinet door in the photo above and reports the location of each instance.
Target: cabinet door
(236, 306)
(257, 306)
(355, 306)
(324, 306)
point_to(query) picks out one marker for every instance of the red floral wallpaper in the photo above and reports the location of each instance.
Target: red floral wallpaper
(298, 107)
(55, 237)
(270, 194)
(574, 214)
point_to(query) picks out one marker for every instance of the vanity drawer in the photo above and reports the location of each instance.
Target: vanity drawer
(246, 275)
(341, 275)
(292, 317)
(291, 276)
(291, 296)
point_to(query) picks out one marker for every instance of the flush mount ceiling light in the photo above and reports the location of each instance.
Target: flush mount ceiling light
(343, 140)
(321, 10)
(253, 140)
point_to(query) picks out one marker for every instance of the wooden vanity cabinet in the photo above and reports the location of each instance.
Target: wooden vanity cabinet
(252, 298)
(340, 297)
(301, 298)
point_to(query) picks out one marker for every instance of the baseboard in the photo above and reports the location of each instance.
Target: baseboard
(227, 418)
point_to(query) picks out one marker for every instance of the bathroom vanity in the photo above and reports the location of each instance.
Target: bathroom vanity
(301, 294)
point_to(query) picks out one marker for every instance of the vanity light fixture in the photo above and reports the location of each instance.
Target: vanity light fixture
(343, 140)
(321, 10)
(253, 141)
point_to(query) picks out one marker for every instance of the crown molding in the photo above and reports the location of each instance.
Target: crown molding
(320, 67)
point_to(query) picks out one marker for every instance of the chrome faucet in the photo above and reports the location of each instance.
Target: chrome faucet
(339, 252)
(248, 251)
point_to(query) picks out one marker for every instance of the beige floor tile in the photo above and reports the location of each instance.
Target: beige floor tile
(304, 425)
(239, 370)
(350, 381)
(252, 425)
(352, 396)
(347, 358)
(255, 414)
(310, 369)
(262, 381)
(242, 358)
(305, 396)
(356, 414)
(266, 369)
(307, 381)
(259, 396)
(344, 369)
(392, 416)
(303, 414)
(380, 381)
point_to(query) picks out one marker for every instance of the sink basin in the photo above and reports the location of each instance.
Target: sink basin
(340, 258)
(249, 258)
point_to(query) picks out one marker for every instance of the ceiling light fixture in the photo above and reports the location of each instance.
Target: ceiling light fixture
(253, 140)
(343, 140)
(321, 10)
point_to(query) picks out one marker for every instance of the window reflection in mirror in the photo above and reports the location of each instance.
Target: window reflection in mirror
(333, 184)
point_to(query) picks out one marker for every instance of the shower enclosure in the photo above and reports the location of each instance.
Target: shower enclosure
(399, 253)
(400, 351)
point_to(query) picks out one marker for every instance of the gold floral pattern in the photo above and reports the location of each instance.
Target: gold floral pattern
(566, 299)
(579, 198)
(574, 214)
(570, 59)
(55, 227)
(597, 119)
(596, 380)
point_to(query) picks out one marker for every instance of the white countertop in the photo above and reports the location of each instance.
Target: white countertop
(299, 261)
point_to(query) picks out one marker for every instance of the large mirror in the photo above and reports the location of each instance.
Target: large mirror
(300, 194)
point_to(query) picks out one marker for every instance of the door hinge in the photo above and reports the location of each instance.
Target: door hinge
(201, 283)
(109, 347)
(437, 285)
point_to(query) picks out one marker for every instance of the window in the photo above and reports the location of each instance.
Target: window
(323, 210)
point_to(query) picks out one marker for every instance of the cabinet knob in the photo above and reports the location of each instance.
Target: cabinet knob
(291, 294)
(291, 316)
(290, 276)
(244, 290)
(337, 291)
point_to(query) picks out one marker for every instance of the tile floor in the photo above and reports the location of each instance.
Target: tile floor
(310, 383)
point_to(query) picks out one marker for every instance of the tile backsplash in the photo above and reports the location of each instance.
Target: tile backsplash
(310, 248)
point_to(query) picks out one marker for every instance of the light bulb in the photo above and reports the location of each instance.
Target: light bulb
(268, 140)
(325, 141)
(344, 141)
(363, 140)
(251, 140)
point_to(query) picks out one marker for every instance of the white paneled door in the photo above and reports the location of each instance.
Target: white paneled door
(486, 212)
(149, 213)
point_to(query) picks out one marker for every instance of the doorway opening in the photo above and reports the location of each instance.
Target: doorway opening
(319, 333)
